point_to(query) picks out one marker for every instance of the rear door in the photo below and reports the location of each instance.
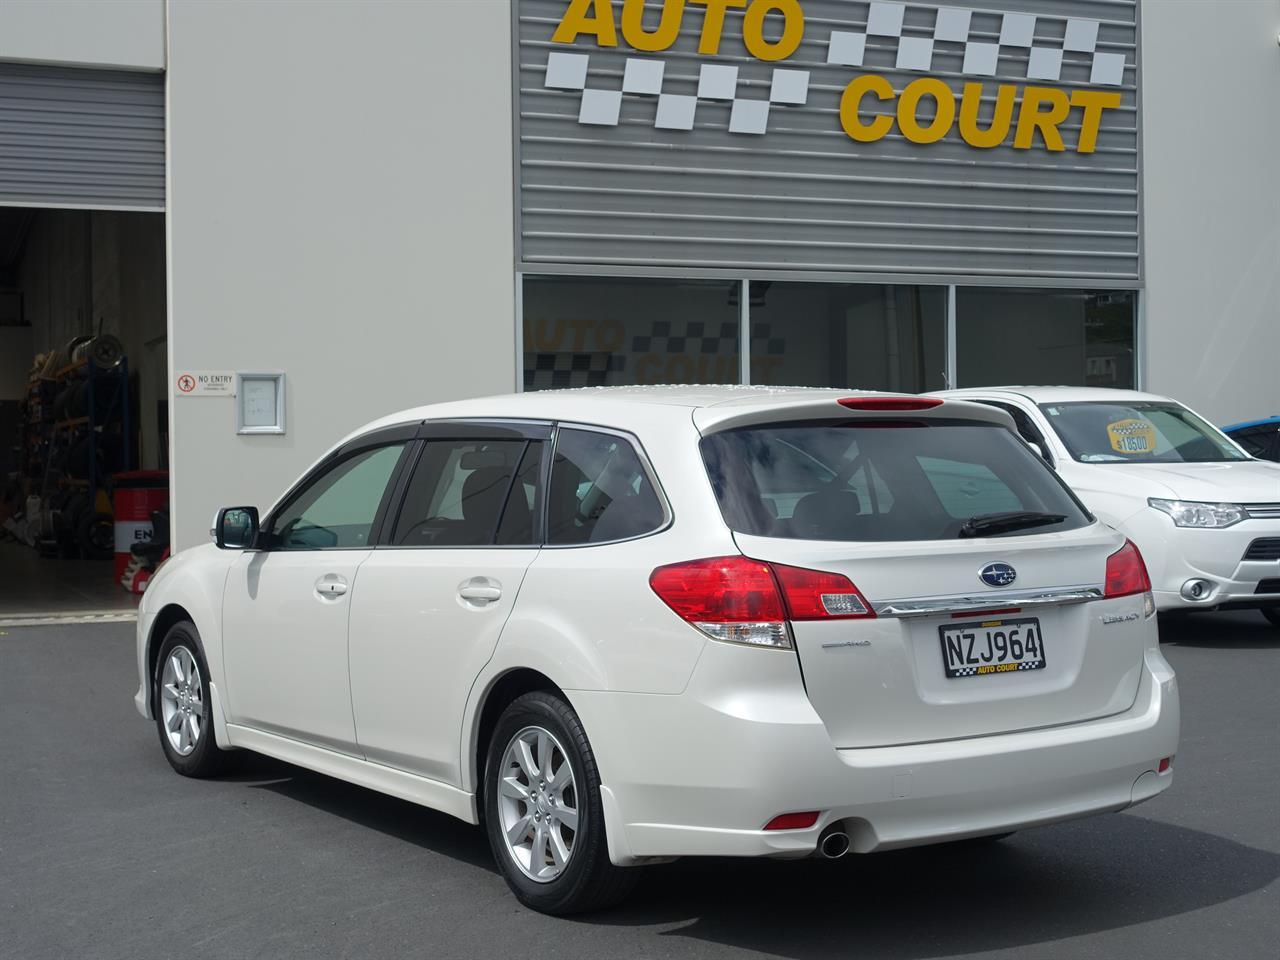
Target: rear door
(435, 594)
(891, 516)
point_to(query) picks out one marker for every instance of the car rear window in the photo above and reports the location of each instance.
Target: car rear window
(880, 480)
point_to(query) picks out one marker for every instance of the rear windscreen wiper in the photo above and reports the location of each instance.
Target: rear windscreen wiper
(984, 525)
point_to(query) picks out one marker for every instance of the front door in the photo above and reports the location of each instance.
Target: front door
(434, 597)
(286, 607)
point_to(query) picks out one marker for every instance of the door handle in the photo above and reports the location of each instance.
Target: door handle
(331, 586)
(479, 591)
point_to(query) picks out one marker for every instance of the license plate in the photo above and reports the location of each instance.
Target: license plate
(991, 646)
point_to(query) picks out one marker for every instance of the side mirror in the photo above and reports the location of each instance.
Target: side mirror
(236, 528)
(1041, 449)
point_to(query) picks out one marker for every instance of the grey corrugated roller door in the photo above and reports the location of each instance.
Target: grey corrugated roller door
(73, 137)
(684, 159)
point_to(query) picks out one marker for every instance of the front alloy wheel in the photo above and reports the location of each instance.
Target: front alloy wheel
(182, 705)
(182, 700)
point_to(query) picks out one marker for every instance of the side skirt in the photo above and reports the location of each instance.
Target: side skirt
(396, 783)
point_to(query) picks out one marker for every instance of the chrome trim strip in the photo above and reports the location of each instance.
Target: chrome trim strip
(929, 606)
(1262, 511)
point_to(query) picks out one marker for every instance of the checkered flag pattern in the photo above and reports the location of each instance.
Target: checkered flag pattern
(644, 77)
(554, 371)
(689, 337)
(1017, 32)
(973, 671)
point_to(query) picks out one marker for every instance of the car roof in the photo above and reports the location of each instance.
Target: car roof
(1245, 425)
(605, 404)
(1057, 394)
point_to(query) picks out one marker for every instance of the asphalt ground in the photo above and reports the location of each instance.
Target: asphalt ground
(105, 852)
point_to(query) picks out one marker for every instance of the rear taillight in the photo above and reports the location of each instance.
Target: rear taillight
(889, 403)
(1126, 573)
(818, 595)
(749, 601)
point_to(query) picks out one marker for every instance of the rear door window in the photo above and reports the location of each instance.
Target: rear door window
(457, 494)
(880, 481)
(599, 490)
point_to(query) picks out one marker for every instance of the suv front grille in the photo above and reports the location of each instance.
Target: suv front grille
(1262, 511)
(1267, 548)
(1269, 586)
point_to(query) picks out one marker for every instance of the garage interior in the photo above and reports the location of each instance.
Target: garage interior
(83, 352)
(83, 418)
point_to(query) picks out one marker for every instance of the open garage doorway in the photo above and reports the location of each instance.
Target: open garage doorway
(83, 408)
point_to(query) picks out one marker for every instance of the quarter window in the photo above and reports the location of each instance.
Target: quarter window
(599, 491)
(338, 508)
(457, 494)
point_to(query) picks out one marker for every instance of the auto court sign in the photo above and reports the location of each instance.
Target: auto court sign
(1026, 115)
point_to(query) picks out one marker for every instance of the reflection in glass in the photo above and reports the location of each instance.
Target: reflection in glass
(1068, 337)
(866, 336)
(607, 331)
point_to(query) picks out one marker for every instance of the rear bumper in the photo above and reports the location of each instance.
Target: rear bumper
(701, 773)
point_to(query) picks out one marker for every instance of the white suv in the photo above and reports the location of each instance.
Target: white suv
(624, 625)
(1204, 513)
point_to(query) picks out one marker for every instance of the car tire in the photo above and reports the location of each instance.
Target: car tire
(551, 866)
(1272, 614)
(183, 706)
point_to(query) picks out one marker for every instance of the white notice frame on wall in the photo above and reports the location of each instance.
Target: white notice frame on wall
(260, 403)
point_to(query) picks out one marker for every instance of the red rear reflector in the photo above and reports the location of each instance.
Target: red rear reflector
(890, 403)
(1165, 764)
(719, 590)
(818, 595)
(793, 821)
(1126, 573)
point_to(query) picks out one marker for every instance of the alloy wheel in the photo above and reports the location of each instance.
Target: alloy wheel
(182, 701)
(538, 804)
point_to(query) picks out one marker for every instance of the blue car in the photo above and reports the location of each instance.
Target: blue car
(1260, 438)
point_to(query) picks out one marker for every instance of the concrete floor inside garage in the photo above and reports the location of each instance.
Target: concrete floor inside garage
(32, 586)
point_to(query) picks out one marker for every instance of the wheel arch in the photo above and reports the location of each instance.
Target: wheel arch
(502, 690)
(168, 615)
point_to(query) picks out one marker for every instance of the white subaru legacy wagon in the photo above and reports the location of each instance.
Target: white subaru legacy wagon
(618, 626)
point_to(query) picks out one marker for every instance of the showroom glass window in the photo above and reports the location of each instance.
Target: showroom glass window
(611, 331)
(1076, 338)
(866, 335)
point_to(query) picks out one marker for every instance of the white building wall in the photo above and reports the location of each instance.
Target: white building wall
(93, 33)
(1212, 203)
(340, 198)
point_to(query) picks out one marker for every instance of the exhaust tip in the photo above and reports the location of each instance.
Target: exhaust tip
(834, 845)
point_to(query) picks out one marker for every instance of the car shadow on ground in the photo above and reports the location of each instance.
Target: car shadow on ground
(1237, 629)
(1039, 886)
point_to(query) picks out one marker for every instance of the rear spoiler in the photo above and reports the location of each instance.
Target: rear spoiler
(843, 405)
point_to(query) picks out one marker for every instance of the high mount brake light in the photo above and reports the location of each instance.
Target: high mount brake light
(740, 600)
(1126, 573)
(894, 404)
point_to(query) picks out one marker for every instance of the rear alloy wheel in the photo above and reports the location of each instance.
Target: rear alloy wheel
(542, 810)
(1272, 614)
(182, 706)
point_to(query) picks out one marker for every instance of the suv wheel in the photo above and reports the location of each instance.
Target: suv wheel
(182, 706)
(542, 810)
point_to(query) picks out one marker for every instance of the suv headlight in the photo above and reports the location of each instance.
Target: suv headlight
(1188, 513)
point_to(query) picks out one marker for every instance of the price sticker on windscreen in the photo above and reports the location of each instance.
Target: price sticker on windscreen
(1132, 436)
